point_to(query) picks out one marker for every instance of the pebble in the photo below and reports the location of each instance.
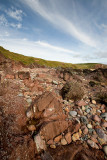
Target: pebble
(58, 138)
(104, 115)
(89, 125)
(31, 128)
(20, 94)
(83, 108)
(68, 137)
(93, 102)
(75, 137)
(29, 100)
(96, 118)
(85, 130)
(101, 134)
(29, 114)
(55, 82)
(73, 113)
(92, 144)
(63, 141)
(84, 120)
(105, 149)
(52, 146)
(104, 124)
(88, 110)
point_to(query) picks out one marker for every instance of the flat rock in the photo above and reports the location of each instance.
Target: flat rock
(63, 141)
(40, 144)
(68, 137)
(53, 129)
(81, 103)
(96, 118)
(73, 113)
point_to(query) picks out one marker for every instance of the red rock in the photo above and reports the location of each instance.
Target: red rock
(23, 75)
(58, 138)
(68, 137)
(40, 143)
(9, 76)
(31, 128)
(53, 129)
(96, 118)
(104, 124)
(81, 103)
(50, 142)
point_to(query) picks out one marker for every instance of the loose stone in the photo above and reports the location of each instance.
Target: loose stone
(89, 126)
(92, 144)
(73, 113)
(63, 141)
(105, 149)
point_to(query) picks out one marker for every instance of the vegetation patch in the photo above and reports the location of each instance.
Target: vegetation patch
(72, 90)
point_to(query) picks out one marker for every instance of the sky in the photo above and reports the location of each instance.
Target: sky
(73, 31)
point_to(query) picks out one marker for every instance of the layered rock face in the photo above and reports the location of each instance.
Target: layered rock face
(37, 124)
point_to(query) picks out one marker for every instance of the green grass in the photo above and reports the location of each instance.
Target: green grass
(31, 60)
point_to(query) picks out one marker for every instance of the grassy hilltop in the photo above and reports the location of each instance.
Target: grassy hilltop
(31, 60)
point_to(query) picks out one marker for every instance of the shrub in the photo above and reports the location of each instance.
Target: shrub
(101, 97)
(72, 90)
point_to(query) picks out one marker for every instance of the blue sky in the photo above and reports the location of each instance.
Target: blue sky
(73, 31)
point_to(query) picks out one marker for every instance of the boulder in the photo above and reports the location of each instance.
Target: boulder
(53, 129)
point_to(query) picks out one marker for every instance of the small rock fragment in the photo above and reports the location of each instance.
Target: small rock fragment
(31, 128)
(92, 144)
(105, 149)
(93, 102)
(63, 141)
(68, 137)
(58, 138)
(89, 126)
(75, 137)
(96, 118)
(73, 113)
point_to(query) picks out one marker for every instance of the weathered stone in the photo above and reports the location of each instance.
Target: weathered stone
(75, 137)
(104, 115)
(58, 138)
(40, 144)
(96, 118)
(85, 130)
(92, 144)
(84, 120)
(105, 149)
(73, 113)
(101, 134)
(50, 142)
(29, 113)
(52, 129)
(89, 125)
(93, 102)
(52, 146)
(104, 124)
(68, 137)
(31, 128)
(55, 82)
(63, 141)
(81, 103)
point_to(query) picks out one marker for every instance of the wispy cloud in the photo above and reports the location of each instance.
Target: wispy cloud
(59, 20)
(15, 13)
(5, 23)
(48, 51)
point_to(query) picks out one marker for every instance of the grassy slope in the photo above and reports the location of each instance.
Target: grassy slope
(31, 60)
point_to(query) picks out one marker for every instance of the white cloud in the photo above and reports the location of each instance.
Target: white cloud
(40, 50)
(47, 51)
(3, 20)
(5, 23)
(59, 20)
(15, 13)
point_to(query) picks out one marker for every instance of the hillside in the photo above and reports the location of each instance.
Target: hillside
(41, 62)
